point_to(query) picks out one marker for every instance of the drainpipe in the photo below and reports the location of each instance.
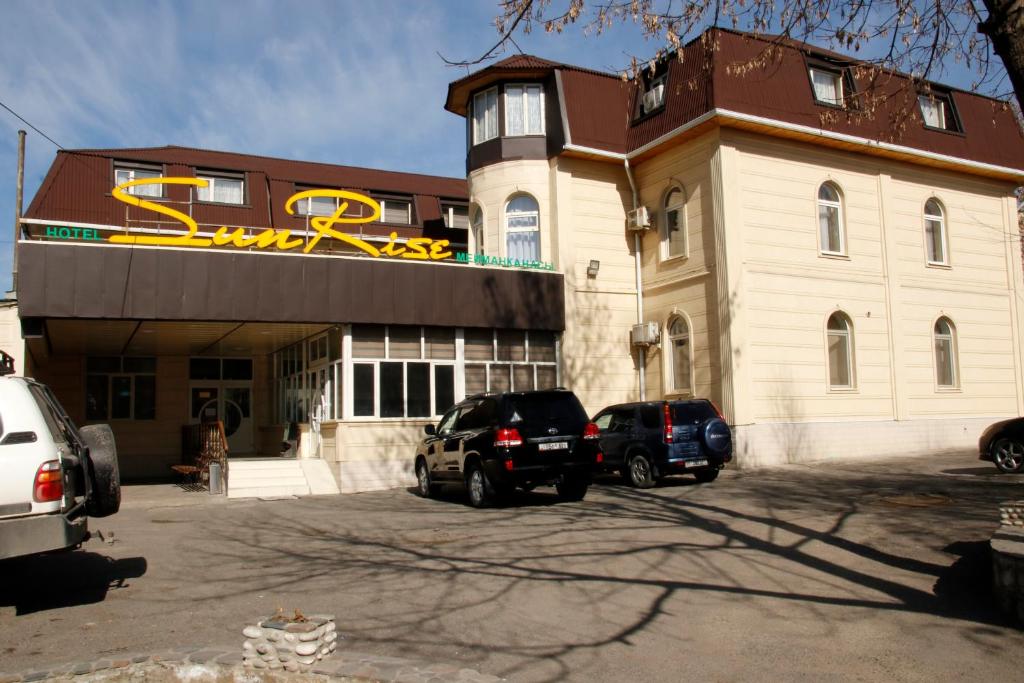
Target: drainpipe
(642, 351)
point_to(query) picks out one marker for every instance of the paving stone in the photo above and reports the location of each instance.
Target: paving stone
(101, 665)
(81, 668)
(9, 678)
(120, 663)
(203, 656)
(139, 659)
(35, 676)
(229, 658)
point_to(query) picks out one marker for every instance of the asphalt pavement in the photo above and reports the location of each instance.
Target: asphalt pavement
(853, 570)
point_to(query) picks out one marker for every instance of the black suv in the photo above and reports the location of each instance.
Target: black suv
(646, 441)
(492, 443)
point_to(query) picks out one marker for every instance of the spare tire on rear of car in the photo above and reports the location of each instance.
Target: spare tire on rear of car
(716, 436)
(102, 470)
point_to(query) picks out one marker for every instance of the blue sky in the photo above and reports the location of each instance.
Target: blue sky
(355, 83)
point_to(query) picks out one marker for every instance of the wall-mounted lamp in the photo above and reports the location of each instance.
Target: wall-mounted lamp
(592, 269)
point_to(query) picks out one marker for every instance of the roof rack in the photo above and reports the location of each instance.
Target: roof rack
(6, 364)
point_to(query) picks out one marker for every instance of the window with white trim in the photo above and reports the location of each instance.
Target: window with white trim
(937, 111)
(673, 224)
(946, 375)
(509, 360)
(402, 371)
(325, 206)
(830, 220)
(126, 174)
(680, 374)
(522, 228)
(477, 229)
(455, 215)
(524, 110)
(653, 97)
(398, 211)
(827, 86)
(120, 388)
(935, 238)
(221, 189)
(840, 352)
(485, 116)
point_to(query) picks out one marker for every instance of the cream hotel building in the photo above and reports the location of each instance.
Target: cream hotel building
(756, 239)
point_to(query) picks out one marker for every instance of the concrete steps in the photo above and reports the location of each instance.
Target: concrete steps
(266, 478)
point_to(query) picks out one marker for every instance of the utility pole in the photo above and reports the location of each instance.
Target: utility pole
(19, 198)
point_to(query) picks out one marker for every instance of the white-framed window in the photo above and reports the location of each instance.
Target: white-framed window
(935, 239)
(828, 86)
(673, 223)
(402, 371)
(221, 189)
(509, 360)
(124, 174)
(653, 96)
(395, 211)
(830, 220)
(485, 116)
(680, 356)
(524, 110)
(324, 206)
(937, 111)
(840, 352)
(120, 388)
(946, 375)
(476, 233)
(522, 228)
(455, 215)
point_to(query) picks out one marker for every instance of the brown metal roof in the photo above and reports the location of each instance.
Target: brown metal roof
(77, 189)
(599, 108)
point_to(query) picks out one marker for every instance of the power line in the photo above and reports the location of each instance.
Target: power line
(26, 122)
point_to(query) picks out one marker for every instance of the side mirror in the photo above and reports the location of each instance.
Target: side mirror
(429, 430)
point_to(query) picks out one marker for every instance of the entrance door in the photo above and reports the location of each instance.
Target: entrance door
(229, 402)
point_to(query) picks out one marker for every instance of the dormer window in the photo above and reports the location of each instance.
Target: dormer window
(124, 174)
(654, 96)
(524, 110)
(485, 116)
(828, 86)
(396, 211)
(937, 112)
(222, 188)
(324, 206)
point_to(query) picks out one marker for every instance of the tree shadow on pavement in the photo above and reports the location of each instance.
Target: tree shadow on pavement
(42, 582)
(474, 580)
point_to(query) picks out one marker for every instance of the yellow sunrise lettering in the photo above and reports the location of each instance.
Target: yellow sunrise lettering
(187, 240)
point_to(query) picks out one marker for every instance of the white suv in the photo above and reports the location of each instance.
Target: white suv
(53, 476)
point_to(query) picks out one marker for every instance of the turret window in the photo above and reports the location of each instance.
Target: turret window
(524, 110)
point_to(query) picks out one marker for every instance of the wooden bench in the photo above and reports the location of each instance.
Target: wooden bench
(202, 444)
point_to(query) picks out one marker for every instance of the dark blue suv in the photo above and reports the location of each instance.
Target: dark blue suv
(647, 441)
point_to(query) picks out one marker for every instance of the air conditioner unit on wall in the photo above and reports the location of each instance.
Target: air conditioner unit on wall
(638, 219)
(645, 334)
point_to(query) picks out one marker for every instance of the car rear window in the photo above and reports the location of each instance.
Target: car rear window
(684, 411)
(545, 407)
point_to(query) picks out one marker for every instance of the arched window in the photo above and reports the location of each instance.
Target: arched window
(830, 219)
(522, 228)
(945, 354)
(673, 231)
(679, 355)
(935, 232)
(840, 352)
(476, 229)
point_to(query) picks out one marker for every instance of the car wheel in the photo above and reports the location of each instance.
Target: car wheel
(423, 485)
(1008, 455)
(572, 488)
(706, 476)
(103, 471)
(481, 493)
(640, 473)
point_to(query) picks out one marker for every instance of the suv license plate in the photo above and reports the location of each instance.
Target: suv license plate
(696, 463)
(553, 446)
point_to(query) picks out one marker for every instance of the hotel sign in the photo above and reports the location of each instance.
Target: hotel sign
(414, 248)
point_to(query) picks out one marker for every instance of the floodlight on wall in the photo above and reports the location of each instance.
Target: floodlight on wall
(592, 269)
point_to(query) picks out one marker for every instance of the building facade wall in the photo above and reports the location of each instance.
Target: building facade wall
(888, 291)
